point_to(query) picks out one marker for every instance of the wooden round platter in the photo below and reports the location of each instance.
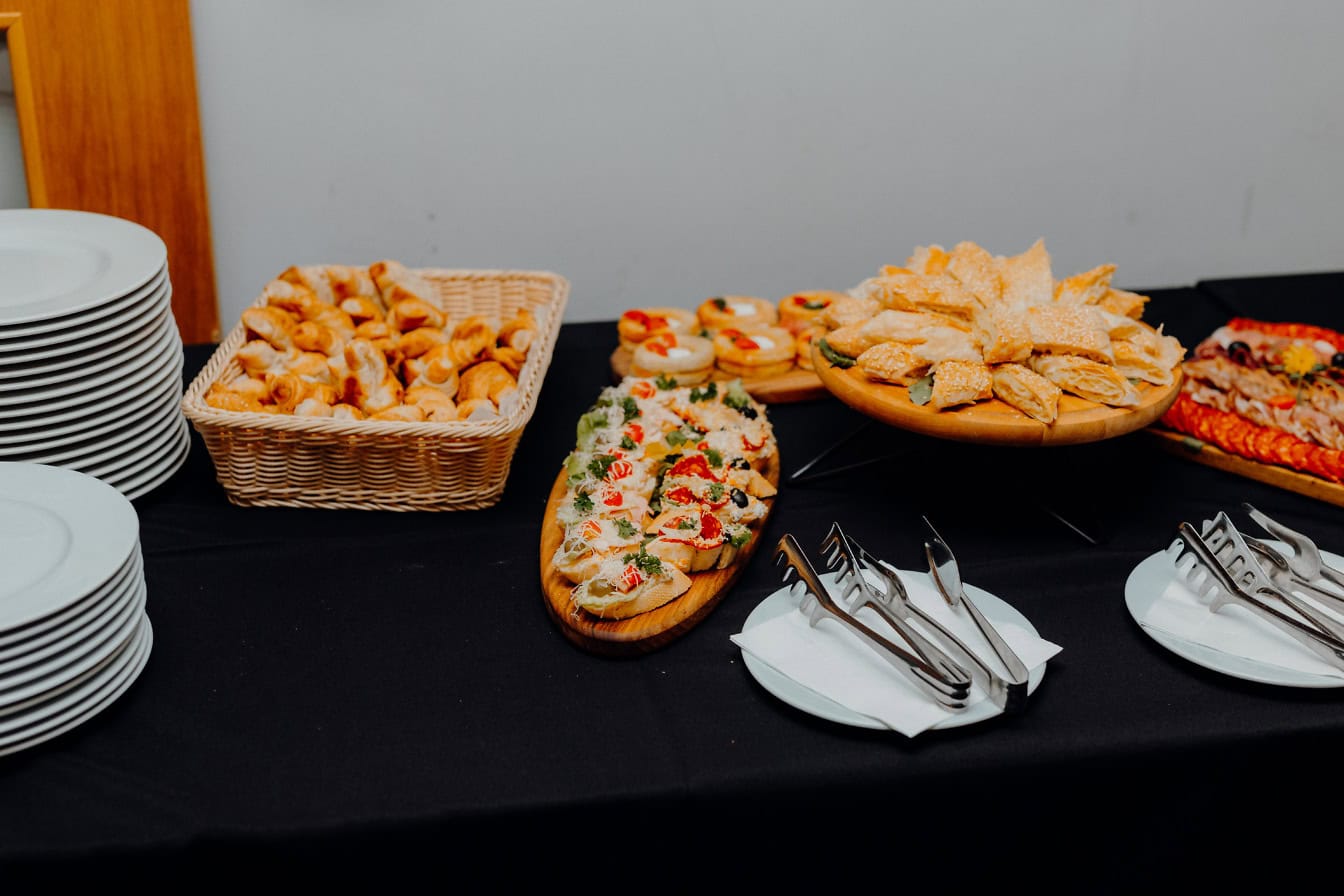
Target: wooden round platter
(645, 632)
(994, 421)
(796, 385)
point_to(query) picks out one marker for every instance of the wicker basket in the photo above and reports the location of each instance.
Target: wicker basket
(279, 460)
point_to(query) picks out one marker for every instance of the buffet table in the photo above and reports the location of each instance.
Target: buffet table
(361, 696)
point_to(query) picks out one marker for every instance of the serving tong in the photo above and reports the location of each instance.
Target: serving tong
(1202, 569)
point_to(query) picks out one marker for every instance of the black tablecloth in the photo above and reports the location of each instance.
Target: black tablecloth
(361, 696)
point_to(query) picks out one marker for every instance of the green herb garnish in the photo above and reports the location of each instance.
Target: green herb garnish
(830, 354)
(675, 437)
(663, 382)
(599, 465)
(710, 391)
(630, 407)
(645, 562)
(737, 539)
(814, 306)
(625, 528)
(628, 443)
(720, 303)
(921, 390)
(685, 523)
(715, 458)
(583, 503)
(735, 396)
(715, 491)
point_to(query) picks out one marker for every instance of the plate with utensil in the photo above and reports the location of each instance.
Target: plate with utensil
(1259, 610)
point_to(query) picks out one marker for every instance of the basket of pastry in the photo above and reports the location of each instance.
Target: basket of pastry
(381, 387)
(656, 509)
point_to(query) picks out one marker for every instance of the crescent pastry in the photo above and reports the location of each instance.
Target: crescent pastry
(344, 411)
(258, 357)
(409, 314)
(1087, 288)
(1086, 378)
(361, 309)
(803, 310)
(741, 312)
(270, 323)
(519, 331)
(369, 383)
(470, 338)
(348, 281)
(311, 277)
(974, 268)
(755, 352)
(1028, 391)
(243, 384)
(417, 342)
(289, 296)
(1026, 277)
(312, 407)
(310, 336)
(331, 317)
(687, 359)
(1070, 330)
(381, 334)
(430, 400)
(287, 390)
(960, 382)
(403, 413)
(396, 282)
(224, 399)
(476, 409)
(488, 379)
(638, 324)
(512, 359)
(892, 362)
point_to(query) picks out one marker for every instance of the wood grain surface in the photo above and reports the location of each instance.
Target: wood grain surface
(645, 632)
(796, 385)
(1188, 447)
(994, 421)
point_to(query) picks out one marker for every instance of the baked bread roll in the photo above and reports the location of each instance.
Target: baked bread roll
(518, 332)
(638, 324)
(1028, 391)
(410, 313)
(396, 282)
(742, 312)
(313, 278)
(488, 379)
(273, 324)
(755, 352)
(687, 359)
(803, 310)
(369, 384)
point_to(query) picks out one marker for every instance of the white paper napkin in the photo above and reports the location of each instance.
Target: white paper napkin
(833, 662)
(1179, 612)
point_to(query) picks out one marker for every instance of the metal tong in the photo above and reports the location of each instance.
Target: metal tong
(1199, 567)
(1304, 568)
(818, 604)
(1246, 564)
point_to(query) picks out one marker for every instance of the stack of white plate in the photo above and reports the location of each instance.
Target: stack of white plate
(90, 354)
(74, 633)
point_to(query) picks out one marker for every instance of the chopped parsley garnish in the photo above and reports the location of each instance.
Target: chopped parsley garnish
(737, 539)
(599, 465)
(705, 394)
(675, 437)
(628, 443)
(645, 562)
(720, 303)
(625, 528)
(814, 306)
(736, 397)
(685, 523)
(631, 408)
(715, 458)
(583, 503)
(663, 382)
(715, 491)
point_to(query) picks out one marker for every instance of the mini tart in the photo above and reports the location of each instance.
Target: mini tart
(755, 352)
(803, 340)
(803, 310)
(742, 312)
(687, 359)
(638, 324)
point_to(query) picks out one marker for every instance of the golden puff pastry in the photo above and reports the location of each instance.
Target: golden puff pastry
(348, 281)
(289, 296)
(519, 331)
(396, 282)
(741, 312)
(258, 357)
(476, 409)
(892, 362)
(287, 390)
(932, 259)
(311, 277)
(906, 290)
(852, 309)
(1026, 276)
(1005, 334)
(754, 352)
(488, 379)
(1121, 301)
(960, 382)
(273, 324)
(687, 359)
(943, 343)
(637, 324)
(222, 398)
(1138, 362)
(402, 413)
(362, 309)
(435, 368)
(1028, 391)
(512, 359)
(370, 384)
(1086, 288)
(417, 342)
(1069, 330)
(409, 314)
(976, 269)
(887, 325)
(437, 406)
(310, 336)
(470, 339)
(1087, 378)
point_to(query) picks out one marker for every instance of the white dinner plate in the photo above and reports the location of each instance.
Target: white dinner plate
(24, 398)
(113, 399)
(43, 680)
(60, 262)
(40, 636)
(80, 360)
(138, 404)
(111, 308)
(75, 342)
(145, 479)
(100, 692)
(102, 446)
(996, 610)
(1147, 584)
(66, 534)
(156, 444)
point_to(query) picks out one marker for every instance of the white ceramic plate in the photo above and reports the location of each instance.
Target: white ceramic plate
(1148, 582)
(79, 361)
(137, 405)
(113, 308)
(782, 601)
(66, 534)
(22, 397)
(60, 262)
(147, 479)
(67, 343)
(100, 693)
(156, 444)
(106, 444)
(41, 637)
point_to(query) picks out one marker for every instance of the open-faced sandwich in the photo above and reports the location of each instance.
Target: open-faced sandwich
(665, 482)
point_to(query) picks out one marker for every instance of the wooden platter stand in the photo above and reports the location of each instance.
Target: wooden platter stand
(796, 385)
(645, 632)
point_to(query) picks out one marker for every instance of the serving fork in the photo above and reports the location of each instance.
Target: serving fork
(1198, 566)
(1306, 560)
(817, 604)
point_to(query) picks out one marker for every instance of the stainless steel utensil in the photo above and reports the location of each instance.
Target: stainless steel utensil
(1198, 567)
(818, 604)
(1306, 559)
(1008, 691)
(1278, 568)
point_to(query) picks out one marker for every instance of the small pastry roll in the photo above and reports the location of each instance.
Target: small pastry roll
(742, 312)
(689, 360)
(251, 386)
(638, 324)
(435, 368)
(404, 413)
(1070, 330)
(1005, 334)
(312, 366)
(312, 278)
(471, 338)
(1086, 378)
(288, 390)
(477, 409)
(396, 282)
(756, 352)
(224, 399)
(960, 382)
(436, 405)
(1133, 361)
(1028, 391)
(885, 326)
(288, 296)
(370, 384)
(381, 334)
(518, 332)
(416, 342)
(273, 324)
(892, 362)
(344, 411)
(348, 281)
(408, 314)
(803, 310)
(332, 318)
(488, 379)
(847, 311)
(512, 359)
(312, 407)
(361, 309)
(258, 357)
(310, 336)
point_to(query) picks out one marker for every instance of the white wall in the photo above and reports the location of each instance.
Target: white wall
(660, 153)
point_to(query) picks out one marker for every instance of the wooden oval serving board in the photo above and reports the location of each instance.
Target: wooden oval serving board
(994, 421)
(645, 632)
(1191, 448)
(796, 385)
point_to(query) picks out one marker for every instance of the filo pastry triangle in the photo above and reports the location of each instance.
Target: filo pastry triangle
(1086, 378)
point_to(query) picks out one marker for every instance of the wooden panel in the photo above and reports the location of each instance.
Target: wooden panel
(108, 116)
